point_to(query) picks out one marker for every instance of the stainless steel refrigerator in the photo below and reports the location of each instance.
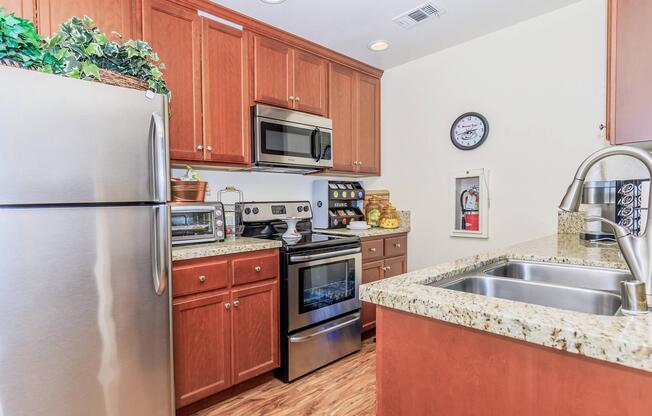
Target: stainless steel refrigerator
(84, 249)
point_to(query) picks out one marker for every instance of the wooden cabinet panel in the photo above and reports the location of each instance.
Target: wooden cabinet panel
(272, 72)
(368, 126)
(109, 15)
(254, 268)
(372, 249)
(395, 246)
(194, 276)
(255, 330)
(630, 85)
(224, 64)
(371, 272)
(342, 112)
(202, 349)
(395, 266)
(310, 83)
(21, 8)
(174, 32)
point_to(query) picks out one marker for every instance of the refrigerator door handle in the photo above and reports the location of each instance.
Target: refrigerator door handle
(161, 164)
(161, 249)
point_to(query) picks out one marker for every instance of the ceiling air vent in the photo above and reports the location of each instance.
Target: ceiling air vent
(419, 14)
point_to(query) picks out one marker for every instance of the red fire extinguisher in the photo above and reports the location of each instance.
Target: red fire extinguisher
(470, 203)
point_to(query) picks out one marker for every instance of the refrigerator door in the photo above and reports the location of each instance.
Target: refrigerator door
(66, 141)
(85, 311)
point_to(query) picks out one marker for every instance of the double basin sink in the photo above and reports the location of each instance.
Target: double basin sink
(576, 288)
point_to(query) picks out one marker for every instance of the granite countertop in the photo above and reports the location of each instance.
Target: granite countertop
(229, 246)
(374, 232)
(623, 340)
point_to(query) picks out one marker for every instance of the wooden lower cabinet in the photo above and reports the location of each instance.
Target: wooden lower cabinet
(255, 330)
(202, 351)
(381, 258)
(226, 336)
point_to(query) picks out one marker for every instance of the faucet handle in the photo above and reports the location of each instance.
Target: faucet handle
(619, 230)
(634, 297)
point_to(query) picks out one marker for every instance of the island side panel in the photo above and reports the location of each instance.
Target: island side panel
(430, 367)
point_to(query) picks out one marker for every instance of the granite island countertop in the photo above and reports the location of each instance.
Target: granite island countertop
(623, 340)
(373, 232)
(229, 246)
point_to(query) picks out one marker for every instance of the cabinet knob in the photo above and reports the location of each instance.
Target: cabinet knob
(397, 245)
(236, 303)
(372, 249)
(359, 162)
(603, 126)
(297, 99)
(386, 268)
(227, 306)
(258, 269)
(209, 148)
(202, 279)
(291, 97)
(200, 147)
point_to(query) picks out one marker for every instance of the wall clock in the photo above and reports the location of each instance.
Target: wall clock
(469, 131)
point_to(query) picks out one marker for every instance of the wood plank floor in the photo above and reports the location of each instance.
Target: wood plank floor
(347, 387)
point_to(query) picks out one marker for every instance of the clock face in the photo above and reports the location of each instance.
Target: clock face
(469, 131)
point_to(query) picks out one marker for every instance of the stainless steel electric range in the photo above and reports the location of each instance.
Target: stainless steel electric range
(320, 279)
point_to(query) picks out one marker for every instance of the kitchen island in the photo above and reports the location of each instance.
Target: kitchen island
(502, 356)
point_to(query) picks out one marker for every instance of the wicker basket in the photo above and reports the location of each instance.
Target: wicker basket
(10, 62)
(186, 191)
(121, 80)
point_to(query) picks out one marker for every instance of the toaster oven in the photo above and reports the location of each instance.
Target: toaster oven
(197, 223)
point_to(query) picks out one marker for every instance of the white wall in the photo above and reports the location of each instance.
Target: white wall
(540, 83)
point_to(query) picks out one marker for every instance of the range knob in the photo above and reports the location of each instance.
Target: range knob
(298, 209)
(306, 208)
(247, 211)
(255, 211)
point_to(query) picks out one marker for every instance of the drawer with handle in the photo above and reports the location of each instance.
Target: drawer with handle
(194, 276)
(395, 246)
(372, 249)
(254, 268)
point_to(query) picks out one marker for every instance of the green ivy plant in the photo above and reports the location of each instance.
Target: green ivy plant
(80, 49)
(19, 41)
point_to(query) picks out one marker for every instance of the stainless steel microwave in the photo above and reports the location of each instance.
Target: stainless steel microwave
(287, 140)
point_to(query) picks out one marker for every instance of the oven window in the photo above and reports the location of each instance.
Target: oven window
(282, 140)
(326, 284)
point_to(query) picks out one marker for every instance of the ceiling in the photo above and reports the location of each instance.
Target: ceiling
(348, 26)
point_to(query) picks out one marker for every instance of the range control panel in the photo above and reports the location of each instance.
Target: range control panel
(269, 211)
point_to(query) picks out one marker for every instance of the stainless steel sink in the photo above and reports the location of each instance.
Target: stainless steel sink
(576, 288)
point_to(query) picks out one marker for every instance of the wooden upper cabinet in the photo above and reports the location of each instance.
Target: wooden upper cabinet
(272, 72)
(202, 347)
(287, 77)
(368, 114)
(108, 15)
(342, 112)
(21, 8)
(629, 106)
(255, 330)
(174, 33)
(310, 83)
(224, 69)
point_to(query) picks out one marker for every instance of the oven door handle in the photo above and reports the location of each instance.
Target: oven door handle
(321, 256)
(305, 338)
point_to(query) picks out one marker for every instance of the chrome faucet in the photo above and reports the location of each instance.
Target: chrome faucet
(637, 250)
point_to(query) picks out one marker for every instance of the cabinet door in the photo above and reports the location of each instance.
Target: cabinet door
(310, 83)
(368, 126)
(108, 15)
(21, 8)
(395, 266)
(371, 272)
(272, 72)
(342, 112)
(224, 86)
(255, 330)
(174, 33)
(630, 85)
(202, 347)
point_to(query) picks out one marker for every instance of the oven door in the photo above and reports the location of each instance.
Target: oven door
(287, 143)
(322, 286)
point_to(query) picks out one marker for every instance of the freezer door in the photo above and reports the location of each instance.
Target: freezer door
(69, 141)
(85, 312)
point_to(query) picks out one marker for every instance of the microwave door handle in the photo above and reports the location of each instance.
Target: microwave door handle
(315, 144)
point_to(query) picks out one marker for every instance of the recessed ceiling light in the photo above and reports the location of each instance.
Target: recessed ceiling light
(379, 45)
(272, 1)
